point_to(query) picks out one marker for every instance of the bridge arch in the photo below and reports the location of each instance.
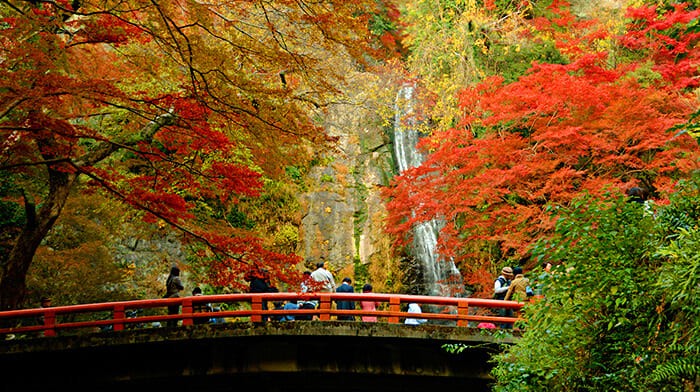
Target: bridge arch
(265, 356)
(59, 348)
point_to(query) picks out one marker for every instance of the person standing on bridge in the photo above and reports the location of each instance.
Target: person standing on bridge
(369, 305)
(173, 286)
(500, 286)
(259, 280)
(346, 287)
(323, 278)
(500, 289)
(517, 291)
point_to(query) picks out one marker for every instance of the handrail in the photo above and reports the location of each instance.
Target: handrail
(462, 310)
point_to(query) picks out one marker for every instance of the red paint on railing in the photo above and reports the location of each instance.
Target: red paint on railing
(464, 310)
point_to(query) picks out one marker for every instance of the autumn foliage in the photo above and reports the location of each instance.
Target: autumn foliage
(163, 106)
(595, 122)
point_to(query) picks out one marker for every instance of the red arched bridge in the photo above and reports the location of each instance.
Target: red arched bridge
(114, 346)
(462, 312)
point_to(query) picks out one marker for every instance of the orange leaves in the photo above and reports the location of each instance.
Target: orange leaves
(106, 28)
(234, 179)
(175, 108)
(243, 254)
(671, 42)
(160, 204)
(559, 130)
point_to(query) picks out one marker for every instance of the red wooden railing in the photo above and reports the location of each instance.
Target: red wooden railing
(48, 321)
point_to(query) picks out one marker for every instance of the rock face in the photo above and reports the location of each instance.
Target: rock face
(343, 211)
(596, 8)
(151, 254)
(165, 245)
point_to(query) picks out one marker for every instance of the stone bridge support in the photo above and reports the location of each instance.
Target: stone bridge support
(274, 356)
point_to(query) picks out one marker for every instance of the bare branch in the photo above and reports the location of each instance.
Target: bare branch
(143, 207)
(106, 148)
(38, 163)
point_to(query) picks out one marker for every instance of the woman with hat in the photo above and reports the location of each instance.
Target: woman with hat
(500, 288)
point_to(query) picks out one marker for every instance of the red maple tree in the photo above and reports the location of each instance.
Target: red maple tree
(159, 104)
(592, 124)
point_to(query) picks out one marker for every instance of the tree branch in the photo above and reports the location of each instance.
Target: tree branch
(29, 210)
(143, 207)
(106, 148)
(46, 162)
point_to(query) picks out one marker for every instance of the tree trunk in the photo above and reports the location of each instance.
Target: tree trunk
(13, 287)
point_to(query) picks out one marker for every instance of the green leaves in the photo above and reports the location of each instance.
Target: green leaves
(622, 306)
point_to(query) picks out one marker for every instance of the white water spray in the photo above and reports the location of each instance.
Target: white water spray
(441, 275)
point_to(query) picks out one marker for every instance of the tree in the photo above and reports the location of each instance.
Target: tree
(621, 304)
(561, 129)
(75, 264)
(161, 105)
(455, 43)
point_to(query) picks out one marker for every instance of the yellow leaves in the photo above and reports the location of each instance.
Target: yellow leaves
(328, 210)
(454, 44)
(481, 44)
(376, 91)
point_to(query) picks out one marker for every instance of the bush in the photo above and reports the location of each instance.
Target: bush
(621, 311)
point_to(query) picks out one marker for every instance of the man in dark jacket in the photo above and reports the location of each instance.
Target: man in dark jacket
(346, 287)
(259, 280)
(173, 286)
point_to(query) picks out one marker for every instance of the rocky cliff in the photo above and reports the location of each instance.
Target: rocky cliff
(343, 211)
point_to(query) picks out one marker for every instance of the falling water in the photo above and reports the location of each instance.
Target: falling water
(441, 275)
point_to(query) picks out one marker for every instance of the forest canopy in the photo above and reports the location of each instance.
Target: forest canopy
(164, 107)
(610, 110)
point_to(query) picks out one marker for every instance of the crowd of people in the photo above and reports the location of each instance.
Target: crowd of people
(511, 285)
(319, 280)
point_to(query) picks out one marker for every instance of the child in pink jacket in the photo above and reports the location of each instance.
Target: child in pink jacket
(368, 305)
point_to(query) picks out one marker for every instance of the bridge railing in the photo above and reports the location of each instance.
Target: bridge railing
(462, 312)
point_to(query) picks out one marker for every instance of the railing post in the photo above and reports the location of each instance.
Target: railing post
(394, 306)
(49, 323)
(256, 305)
(463, 310)
(118, 318)
(187, 311)
(517, 313)
(325, 305)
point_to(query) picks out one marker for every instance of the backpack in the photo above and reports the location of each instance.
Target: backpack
(504, 282)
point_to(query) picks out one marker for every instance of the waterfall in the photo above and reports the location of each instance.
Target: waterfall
(441, 275)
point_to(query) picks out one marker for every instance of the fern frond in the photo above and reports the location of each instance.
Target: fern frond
(687, 367)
